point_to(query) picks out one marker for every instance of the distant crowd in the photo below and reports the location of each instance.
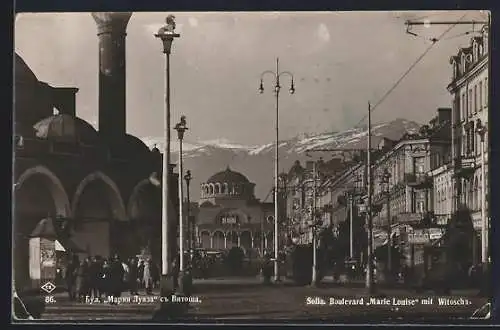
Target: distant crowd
(97, 277)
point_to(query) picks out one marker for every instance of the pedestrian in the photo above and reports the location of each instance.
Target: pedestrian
(82, 280)
(71, 275)
(155, 274)
(175, 271)
(140, 274)
(94, 271)
(105, 278)
(116, 277)
(133, 277)
(147, 278)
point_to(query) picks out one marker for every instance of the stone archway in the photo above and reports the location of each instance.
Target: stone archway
(231, 239)
(205, 239)
(246, 240)
(100, 215)
(38, 193)
(218, 240)
(145, 214)
(258, 240)
(270, 241)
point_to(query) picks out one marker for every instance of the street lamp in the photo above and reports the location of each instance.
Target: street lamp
(166, 34)
(277, 87)
(190, 223)
(481, 131)
(181, 128)
(386, 191)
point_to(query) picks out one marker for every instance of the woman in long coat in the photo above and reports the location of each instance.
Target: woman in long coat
(83, 280)
(147, 277)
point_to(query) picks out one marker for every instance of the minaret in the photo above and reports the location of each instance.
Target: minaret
(111, 30)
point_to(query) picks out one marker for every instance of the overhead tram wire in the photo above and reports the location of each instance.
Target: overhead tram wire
(409, 70)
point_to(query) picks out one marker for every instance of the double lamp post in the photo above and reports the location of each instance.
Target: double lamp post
(277, 87)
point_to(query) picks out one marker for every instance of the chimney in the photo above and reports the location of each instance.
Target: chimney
(111, 30)
(444, 114)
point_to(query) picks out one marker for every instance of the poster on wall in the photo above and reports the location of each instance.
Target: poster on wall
(47, 253)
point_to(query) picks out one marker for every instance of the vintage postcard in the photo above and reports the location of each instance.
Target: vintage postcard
(251, 166)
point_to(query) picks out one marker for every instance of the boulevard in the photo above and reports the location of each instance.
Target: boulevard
(246, 298)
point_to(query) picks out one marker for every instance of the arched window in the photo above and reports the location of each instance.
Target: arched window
(211, 190)
(217, 188)
(223, 188)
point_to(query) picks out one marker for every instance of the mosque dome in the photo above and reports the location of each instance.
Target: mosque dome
(64, 127)
(128, 147)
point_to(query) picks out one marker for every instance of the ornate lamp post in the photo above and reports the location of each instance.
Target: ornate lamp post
(277, 87)
(181, 128)
(167, 35)
(190, 223)
(481, 131)
(386, 189)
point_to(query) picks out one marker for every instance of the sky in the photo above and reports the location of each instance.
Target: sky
(340, 62)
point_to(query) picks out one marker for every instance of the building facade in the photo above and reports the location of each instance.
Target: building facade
(470, 94)
(229, 215)
(303, 184)
(92, 182)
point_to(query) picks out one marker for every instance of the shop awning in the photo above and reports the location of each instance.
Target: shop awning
(67, 245)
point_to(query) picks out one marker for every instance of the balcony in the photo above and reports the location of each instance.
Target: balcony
(467, 167)
(418, 180)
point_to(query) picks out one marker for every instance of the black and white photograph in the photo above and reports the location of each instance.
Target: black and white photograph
(258, 167)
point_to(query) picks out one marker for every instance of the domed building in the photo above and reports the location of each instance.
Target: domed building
(94, 182)
(229, 214)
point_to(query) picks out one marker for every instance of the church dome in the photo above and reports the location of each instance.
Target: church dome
(228, 176)
(64, 127)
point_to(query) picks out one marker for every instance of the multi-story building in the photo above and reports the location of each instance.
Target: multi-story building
(300, 189)
(408, 161)
(337, 189)
(469, 89)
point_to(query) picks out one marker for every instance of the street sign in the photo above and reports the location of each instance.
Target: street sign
(419, 236)
(435, 233)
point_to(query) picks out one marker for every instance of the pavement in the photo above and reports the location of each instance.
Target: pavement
(247, 298)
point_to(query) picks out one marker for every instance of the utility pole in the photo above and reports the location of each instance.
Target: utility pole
(369, 272)
(351, 236)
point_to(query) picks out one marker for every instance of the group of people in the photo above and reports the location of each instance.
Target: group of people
(96, 277)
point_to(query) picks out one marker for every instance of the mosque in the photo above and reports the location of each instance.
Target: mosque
(92, 183)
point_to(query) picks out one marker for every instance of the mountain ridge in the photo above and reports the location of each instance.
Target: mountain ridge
(257, 162)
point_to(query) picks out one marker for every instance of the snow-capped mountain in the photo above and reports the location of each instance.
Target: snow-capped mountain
(257, 162)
